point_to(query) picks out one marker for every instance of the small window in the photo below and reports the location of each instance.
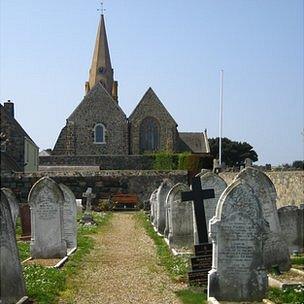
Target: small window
(99, 134)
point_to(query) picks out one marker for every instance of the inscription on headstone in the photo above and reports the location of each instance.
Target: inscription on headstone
(236, 230)
(46, 201)
(12, 283)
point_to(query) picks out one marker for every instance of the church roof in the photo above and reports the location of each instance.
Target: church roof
(193, 141)
(148, 98)
(97, 94)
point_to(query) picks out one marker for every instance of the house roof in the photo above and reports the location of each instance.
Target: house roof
(193, 141)
(19, 129)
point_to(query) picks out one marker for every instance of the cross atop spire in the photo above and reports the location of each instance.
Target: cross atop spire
(101, 9)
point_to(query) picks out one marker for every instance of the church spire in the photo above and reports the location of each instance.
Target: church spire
(101, 68)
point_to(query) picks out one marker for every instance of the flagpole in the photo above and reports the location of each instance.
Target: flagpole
(221, 116)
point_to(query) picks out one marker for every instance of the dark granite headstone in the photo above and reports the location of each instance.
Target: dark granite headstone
(25, 217)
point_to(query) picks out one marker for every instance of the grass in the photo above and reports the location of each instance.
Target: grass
(176, 266)
(24, 250)
(297, 260)
(45, 284)
(288, 295)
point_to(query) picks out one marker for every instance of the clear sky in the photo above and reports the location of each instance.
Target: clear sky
(178, 48)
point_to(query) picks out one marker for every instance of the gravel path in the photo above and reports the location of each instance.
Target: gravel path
(123, 268)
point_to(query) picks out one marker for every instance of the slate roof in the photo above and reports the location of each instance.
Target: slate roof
(192, 141)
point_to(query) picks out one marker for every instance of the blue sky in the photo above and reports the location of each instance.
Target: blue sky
(176, 47)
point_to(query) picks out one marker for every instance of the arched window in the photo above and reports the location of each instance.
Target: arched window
(149, 135)
(99, 134)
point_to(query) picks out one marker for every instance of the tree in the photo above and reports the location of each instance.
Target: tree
(233, 152)
(298, 164)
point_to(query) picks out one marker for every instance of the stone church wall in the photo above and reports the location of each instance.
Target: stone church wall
(142, 183)
(107, 162)
(289, 185)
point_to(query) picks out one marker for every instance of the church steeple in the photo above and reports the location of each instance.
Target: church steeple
(101, 68)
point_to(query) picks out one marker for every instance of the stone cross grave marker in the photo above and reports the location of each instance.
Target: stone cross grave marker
(201, 262)
(46, 202)
(11, 279)
(69, 217)
(13, 202)
(180, 217)
(236, 230)
(87, 217)
(276, 253)
(161, 196)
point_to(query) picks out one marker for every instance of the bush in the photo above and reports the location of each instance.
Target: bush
(165, 161)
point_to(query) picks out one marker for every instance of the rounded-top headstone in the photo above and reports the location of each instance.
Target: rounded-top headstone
(13, 202)
(11, 278)
(46, 202)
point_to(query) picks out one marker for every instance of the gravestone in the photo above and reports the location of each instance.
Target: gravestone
(180, 218)
(161, 212)
(79, 205)
(46, 202)
(291, 222)
(87, 216)
(201, 262)
(153, 206)
(69, 217)
(210, 180)
(276, 253)
(12, 283)
(13, 202)
(248, 162)
(236, 230)
(25, 218)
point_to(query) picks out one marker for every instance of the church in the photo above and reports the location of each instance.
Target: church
(98, 125)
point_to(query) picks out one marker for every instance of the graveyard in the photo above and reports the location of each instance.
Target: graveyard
(204, 242)
(124, 196)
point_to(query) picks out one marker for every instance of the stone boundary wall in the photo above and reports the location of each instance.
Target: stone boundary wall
(289, 185)
(142, 183)
(106, 162)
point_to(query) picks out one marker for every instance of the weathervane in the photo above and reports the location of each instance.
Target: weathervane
(101, 9)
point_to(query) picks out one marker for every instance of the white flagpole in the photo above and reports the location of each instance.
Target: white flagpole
(221, 116)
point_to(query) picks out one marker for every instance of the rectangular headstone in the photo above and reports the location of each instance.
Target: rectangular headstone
(46, 201)
(11, 278)
(236, 230)
(25, 218)
(291, 222)
(69, 217)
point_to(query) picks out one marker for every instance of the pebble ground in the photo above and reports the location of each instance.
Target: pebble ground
(122, 268)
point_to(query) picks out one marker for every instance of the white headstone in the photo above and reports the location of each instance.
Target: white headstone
(236, 230)
(292, 227)
(153, 208)
(210, 180)
(180, 218)
(161, 196)
(12, 283)
(46, 202)
(69, 217)
(13, 202)
(275, 248)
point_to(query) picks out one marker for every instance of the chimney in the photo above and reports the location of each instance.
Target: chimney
(9, 108)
